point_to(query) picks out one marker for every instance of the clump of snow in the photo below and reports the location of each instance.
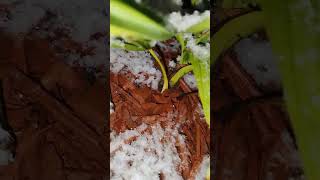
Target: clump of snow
(257, 58)
(190, 80)
(172, 64)
(200, 51)
(181, 23)
(140, 154)
(139, 63)
(202, 171)
(179, 58)
(111, 108)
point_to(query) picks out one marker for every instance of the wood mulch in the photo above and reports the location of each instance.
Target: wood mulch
(57, 114)
(252, 135)
(136, 105)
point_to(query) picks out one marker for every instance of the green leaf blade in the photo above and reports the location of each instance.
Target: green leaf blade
(129, 22)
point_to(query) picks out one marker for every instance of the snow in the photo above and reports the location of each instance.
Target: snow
(147, 155)
(257, 58)
(81, 18)
(111, 107)
(181, 23)
(172, 64)
(200, 51)
(139, 63)
(202, 172)
(190, 80)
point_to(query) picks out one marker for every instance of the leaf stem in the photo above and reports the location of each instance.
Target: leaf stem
(163, 70)
(175, 78)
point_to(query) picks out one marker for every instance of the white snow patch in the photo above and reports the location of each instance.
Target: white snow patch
(111, 107)
(147, 155)
(179, 58)
(257, 58)
(200, 51)
(181, 23)
(139, 63)
(172, 64)
(190, 80)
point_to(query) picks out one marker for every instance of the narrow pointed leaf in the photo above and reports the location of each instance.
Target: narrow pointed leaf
(130, 23)
(293, 28)
(201, 71)
(232, 31)
(201, 26)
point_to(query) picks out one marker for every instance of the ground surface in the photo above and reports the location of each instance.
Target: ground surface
(173, 123)
(253, 138)
(58, 122)
(53, 77)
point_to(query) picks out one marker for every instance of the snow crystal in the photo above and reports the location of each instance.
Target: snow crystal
(257, 58)
(111, 108)
(202, 172)
(190, 80)
(139, 63)
(147, 156)
(180, 23)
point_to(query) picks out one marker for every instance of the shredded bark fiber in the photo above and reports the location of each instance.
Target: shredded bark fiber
(253, 138)
(136, 105)
(56, 113)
